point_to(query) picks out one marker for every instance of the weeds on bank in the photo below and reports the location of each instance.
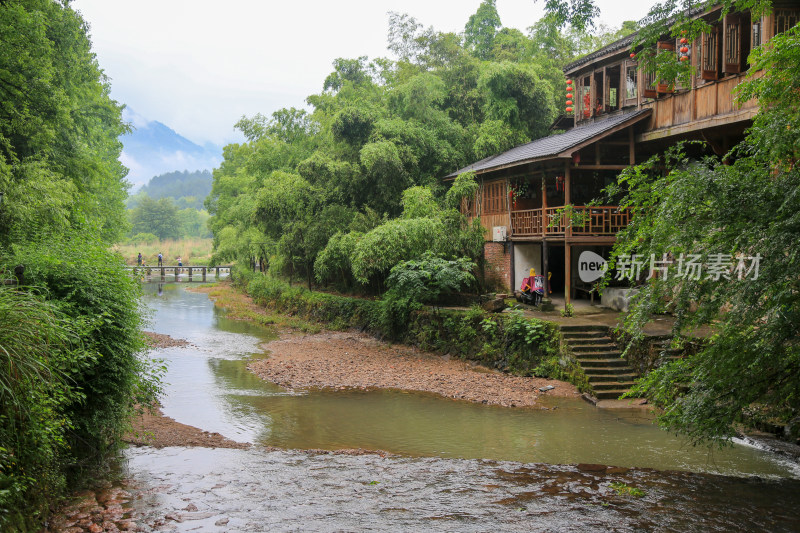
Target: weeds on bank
(238, 306)
(626, 490)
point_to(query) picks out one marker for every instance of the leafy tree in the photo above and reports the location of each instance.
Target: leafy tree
(481, 29)
(731, 212)
(59, 128)
(427, 279)
(159, 217)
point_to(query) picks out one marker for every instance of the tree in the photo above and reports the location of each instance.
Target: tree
(742, 215)
(59, 128)
(159, 217)
(481, 29)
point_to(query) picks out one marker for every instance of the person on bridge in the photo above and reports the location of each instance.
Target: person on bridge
(139, 260)
(160, 259)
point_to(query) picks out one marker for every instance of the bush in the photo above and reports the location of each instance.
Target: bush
(76, 322)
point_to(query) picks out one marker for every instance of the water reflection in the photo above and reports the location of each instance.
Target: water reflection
(210, 387)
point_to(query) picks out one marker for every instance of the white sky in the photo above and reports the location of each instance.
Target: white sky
(199, 65)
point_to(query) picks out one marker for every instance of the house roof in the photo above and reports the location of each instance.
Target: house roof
(621, 44)
(556, 146)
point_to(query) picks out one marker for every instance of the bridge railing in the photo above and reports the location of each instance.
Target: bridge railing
(178, 270)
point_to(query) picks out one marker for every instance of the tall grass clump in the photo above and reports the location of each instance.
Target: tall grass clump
(73, 370)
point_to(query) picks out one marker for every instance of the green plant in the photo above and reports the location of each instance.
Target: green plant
(626, 490)
(568, 311)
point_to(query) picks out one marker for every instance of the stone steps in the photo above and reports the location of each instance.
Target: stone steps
(608, 373)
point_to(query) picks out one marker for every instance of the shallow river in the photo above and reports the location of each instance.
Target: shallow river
(464, 466)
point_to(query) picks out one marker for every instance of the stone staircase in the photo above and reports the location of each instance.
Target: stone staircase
(608, 373)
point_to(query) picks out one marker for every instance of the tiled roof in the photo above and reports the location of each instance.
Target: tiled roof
(621, 44)
(554, 145)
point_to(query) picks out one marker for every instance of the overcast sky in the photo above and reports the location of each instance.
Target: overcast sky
(199, 65)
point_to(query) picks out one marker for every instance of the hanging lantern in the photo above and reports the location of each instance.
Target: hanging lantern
(684, 40)
(684, 49)
(684, 58)
(569, 95)
(633, 55)
(569, 102)
(569, 82)
(569, 110)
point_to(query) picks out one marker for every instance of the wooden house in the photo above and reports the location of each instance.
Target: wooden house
(621, 118)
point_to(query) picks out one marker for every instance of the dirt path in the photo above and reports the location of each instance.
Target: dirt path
(353, 360)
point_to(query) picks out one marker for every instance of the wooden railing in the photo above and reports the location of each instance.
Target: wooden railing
(586, 221)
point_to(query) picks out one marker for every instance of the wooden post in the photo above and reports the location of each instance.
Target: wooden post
(567, 274)
(163, 273)
(204, 273)
(545, 222)
(217, 274)
(631, 147)
(567, 195)
(190, 273)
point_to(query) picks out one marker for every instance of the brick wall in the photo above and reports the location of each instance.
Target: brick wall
(498, 265)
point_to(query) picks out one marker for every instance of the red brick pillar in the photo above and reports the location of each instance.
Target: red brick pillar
(498, 265)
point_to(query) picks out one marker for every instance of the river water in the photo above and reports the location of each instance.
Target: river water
(461, 466)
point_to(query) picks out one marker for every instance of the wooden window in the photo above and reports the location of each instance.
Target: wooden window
(584, 97)
(710, 52)
(495, 198)
(612, 87)
(630, 83)
(784, 19)
(649, 90)
(737, 43)
(755, 34)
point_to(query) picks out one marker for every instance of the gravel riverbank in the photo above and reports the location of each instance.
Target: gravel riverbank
(355, 360)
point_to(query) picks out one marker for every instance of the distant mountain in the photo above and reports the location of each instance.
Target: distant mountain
(188, 189)
(153, 149)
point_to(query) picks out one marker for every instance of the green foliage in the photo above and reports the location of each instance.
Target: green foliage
(159, 217)
(743, 208)
(71, 345)
(59, 129)
(187, 189)
(481, 29)
(626, 490)
(379, 138)
(427, 279)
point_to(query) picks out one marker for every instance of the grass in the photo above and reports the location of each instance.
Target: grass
(239, 306)
(193, 251)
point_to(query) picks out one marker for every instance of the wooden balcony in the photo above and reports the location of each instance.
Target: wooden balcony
(595, 221)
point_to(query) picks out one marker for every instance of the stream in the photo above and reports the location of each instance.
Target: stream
(459, 466)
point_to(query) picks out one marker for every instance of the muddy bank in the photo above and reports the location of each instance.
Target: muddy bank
(156, 430)
(159, 340)
(354, 360)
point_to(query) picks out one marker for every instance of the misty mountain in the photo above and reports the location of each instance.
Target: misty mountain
(187, 189)
(154, 149)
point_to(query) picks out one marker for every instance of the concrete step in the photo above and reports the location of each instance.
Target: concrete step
(612, 372)
(584, 341)
(591, 363)
(612, 385)
(598, 355)
(609, 394)
(568, 336)
(580, 348)
(602, 378)
(582, 328)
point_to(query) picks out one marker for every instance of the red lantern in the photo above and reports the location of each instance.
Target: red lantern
(684, 58)
(684, 40)
(569, 102)
(569, 82)
(684, 49)
(569, 110)
(633, 55)
(569, 95)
